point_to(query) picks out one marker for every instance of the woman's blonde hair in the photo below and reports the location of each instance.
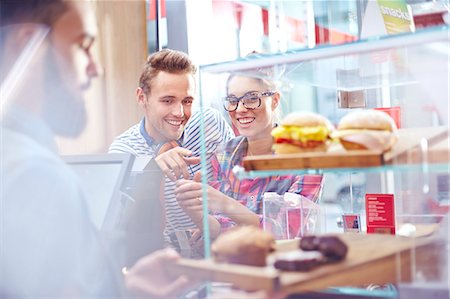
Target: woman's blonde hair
(268, 77)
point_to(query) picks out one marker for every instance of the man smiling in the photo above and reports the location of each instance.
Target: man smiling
(168, 133)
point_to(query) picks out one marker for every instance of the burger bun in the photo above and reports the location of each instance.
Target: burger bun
(367, 130)
(374, 140)
(286, 148)
(306, 119)
(367, 120)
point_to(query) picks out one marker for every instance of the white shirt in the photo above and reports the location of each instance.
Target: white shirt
(49, 246)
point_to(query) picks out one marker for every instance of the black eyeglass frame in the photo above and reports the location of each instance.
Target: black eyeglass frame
(259, 95)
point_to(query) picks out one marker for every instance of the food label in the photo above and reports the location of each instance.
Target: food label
(380, 213)
(352, 223)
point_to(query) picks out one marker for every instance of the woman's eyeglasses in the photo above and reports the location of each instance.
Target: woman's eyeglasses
(251, 100)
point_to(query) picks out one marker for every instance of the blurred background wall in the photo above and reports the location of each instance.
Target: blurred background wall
(121, 50)
(213, 31)
(209, 30)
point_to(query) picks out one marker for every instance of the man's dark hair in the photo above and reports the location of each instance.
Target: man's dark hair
(31, 11)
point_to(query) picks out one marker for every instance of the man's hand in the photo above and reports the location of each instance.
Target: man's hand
(175, 162)
(148, 277)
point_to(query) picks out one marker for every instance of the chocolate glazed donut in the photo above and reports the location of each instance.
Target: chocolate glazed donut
(298, 260)
(333, 248)
(315, 251)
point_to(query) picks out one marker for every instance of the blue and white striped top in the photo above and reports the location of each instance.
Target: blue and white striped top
(137, 142)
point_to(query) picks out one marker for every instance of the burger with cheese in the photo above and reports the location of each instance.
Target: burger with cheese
(302, 132)
(366, 129)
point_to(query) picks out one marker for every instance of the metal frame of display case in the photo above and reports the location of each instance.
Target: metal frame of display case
(326, 51)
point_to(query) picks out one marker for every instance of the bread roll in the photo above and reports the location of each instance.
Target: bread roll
(366, 130)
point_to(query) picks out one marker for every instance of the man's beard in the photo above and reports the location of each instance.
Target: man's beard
(64, 109)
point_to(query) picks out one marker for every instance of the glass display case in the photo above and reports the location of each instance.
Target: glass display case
(405, 75)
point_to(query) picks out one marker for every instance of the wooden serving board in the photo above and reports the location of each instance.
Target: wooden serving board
(314, 160)
(244, 277)
(406, 150)
(409, 143)
(371, 258)
(438, 152)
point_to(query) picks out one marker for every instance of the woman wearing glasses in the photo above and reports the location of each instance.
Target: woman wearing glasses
(252, 106)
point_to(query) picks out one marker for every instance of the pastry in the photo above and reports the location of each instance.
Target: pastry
(298, 260)
(308, 243)
(246, 245)
(333, 248)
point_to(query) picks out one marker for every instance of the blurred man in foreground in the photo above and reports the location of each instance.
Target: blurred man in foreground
(49, 246)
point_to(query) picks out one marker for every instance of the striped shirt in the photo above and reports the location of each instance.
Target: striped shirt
(137, 142)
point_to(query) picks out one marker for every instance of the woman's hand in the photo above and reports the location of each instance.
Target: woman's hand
(189, 195)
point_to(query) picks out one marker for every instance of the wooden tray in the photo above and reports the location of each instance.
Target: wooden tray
(371, 258)
(406, 151)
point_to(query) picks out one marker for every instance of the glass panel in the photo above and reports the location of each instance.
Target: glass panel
(391, 74)
(372, 58)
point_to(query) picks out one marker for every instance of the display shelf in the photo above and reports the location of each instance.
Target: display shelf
(365, 263)
(364, 64)
(241, 173)
(408, 154)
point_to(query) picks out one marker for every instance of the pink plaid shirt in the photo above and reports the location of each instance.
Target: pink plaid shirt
(250, 192)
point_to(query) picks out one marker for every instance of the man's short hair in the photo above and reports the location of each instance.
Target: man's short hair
(166, 60)
(44, 12)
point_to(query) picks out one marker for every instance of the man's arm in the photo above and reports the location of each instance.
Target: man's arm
(149, 276)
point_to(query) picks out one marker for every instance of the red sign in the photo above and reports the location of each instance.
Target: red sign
(395, 113)
(152, 9)
(380, 213)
